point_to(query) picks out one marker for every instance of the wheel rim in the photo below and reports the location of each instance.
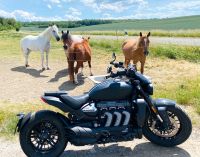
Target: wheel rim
(170, 132)
(44, 136)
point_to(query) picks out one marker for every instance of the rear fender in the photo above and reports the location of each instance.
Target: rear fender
(23, 120)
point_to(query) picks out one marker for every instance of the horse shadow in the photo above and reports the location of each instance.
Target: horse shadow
(58, 75)
(69, 85)
(30, 71)
(141, 150)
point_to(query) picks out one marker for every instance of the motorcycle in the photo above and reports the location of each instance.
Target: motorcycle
(120, 108)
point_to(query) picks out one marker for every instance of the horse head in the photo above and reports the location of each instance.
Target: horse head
(66, 39)
(54, 31)
(144, 42)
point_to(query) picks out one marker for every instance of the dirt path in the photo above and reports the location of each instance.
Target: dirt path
(136, 148)
(18, 84)
(158, 40)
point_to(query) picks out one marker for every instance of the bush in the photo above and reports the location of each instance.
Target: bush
(9, 23)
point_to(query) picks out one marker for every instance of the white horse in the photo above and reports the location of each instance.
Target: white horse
(39, 43)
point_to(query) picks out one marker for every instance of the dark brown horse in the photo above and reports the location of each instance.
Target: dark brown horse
(76, 51)
(136, 50)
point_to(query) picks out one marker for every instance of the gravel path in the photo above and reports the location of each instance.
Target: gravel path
(159, 40)
(136, 148)
(27, 85)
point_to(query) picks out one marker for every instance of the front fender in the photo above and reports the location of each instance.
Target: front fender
(164, 103)
(160, 104)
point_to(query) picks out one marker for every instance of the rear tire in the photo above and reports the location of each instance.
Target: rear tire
(43, 136)
(176, 138)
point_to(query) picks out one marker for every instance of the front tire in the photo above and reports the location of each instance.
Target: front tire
(179, 131)
(43, 136)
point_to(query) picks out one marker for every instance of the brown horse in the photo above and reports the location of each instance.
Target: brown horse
(136, 50)
(76, 51)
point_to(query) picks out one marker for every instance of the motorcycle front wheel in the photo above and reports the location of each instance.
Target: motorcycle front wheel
(43, 136)
(176, 133)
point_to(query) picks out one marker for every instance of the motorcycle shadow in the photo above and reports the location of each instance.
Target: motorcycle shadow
(141, 150)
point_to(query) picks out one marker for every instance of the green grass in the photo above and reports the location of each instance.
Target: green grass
(8, 112)
(186, 93)
(10, 48)
(154, 32)
(189, 53)
(188, 26)
(189, 22)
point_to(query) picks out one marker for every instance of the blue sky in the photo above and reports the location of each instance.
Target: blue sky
(53, 10)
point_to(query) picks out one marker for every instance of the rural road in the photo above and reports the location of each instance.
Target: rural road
(136, 148)
(158, 40)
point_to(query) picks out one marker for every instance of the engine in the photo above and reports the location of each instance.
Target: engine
(113, 113)
(110, 124)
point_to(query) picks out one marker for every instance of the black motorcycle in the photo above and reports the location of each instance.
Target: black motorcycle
(118, 109)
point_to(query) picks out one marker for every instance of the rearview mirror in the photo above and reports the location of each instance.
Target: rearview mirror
(114, 56)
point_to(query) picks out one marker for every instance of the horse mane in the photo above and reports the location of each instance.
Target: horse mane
(45, 31)
(138, 42)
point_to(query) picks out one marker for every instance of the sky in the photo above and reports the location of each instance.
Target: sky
(63, 10)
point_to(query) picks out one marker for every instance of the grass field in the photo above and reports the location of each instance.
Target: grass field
(185, 91)
(177, 27)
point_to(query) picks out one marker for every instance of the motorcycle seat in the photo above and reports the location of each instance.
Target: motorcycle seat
(55, 94)
(75, 102)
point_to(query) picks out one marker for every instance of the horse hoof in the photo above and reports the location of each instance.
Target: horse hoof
(48, 68)
(91, 74)
(43, 69)
(27, 65)
(75, 82)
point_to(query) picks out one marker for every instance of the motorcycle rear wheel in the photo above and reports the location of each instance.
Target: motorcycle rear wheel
(43, 136)
(178, 132)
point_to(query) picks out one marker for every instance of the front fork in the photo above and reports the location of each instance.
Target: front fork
(151, 106)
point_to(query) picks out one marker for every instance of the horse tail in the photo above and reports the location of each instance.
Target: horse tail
(21, 46)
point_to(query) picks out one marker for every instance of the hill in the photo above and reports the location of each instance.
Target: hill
(187, 22)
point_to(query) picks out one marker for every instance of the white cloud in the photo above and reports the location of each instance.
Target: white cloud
(72, 18)
(54, 1)
(181, 5)
(73, 14)
(22, 15)
(49, 6)
(59, 5)
(110, 5)
(74, 11)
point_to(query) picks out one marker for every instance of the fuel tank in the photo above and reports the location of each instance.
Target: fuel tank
(111, 90)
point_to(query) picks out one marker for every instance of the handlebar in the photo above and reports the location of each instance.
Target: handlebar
(130, 71)
(117, 65)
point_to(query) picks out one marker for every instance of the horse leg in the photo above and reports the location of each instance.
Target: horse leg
(81, 69)
(127, 61)
(135, 63)
(47, 60)
(42, 60)
(78, 65)
(89, 64)
(142, 67)
(71, 69)
(26, 54)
